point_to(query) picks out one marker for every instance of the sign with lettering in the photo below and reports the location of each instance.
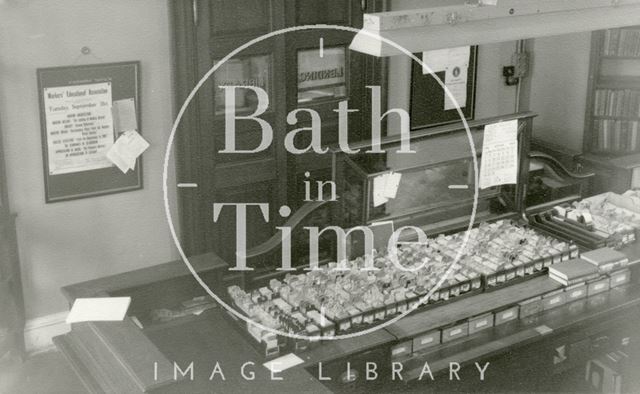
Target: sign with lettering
(321, 73)
(80, 122)
(79, 127)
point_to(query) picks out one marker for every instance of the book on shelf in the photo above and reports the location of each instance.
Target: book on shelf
(615, 136)
(621, 42)
(617, 102)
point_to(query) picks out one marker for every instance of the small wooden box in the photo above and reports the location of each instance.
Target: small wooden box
(506, 315)
(554, 299)
(401, 350)
(619, 278)
(455, 332)
(598, 286)
(480, 323)
(576, 292)
(530, 307)
(426, 340)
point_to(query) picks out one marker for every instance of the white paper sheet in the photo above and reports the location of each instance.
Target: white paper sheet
(385, 187)
(456, 82)
(126, 150)
(499, 163)
(392, 184)
(124, 115)
(441, 59)
(79, 127)
(98, 309)
(379, 188)
(283, 363)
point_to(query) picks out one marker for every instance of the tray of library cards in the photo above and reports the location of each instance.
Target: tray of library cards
(346, 298)
(605, 220)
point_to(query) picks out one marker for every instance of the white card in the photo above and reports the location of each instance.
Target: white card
(379, 188)
(124, 115)
(283, 363)
(392, 184)
(98, 309)
(441, 59)
(456, 81)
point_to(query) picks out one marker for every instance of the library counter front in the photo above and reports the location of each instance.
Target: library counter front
(530, 297)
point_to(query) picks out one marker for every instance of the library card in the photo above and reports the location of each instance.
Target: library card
(283, 363)
(98, 309)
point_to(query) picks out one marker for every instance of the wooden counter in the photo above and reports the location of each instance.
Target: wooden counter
(120, 356)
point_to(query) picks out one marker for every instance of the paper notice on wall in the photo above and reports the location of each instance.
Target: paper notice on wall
(124, 115)
(126, 150)
(79, 127)
(499, 162)
(98, 309)
(456, 83)
(442, 59)
(455, 64)
(385, 187)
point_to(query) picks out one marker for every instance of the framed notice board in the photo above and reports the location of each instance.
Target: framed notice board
(79, 127)
(427, 102)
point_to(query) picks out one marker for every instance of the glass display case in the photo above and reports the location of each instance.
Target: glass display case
(434, 185)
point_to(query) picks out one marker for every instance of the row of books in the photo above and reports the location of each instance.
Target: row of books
(617, 102)
(621, 42)
(612, 135)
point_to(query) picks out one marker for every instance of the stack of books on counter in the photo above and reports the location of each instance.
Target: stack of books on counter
(573, 271)
(606, 259)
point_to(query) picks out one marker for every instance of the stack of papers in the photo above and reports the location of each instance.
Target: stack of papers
(573, 271)
(126, 150)
(606, 259)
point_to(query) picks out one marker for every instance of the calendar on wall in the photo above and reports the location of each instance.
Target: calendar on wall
(499, 164)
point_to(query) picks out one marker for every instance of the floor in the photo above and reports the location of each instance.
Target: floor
(42, 373)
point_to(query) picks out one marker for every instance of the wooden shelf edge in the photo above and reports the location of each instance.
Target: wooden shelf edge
(63, 344)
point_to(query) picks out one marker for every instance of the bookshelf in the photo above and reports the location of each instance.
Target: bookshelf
(613, 110)
(612, 121)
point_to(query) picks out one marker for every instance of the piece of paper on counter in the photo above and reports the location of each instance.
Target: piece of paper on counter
(124, 115)
(283, 363)
(126, 150)
(456, 81)
(98, 309)
(441, 59)
(499, 163)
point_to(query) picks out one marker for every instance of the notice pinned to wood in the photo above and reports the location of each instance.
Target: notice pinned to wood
(83, 111)
(79, 127)
(455, 63)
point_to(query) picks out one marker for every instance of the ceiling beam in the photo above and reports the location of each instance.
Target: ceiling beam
(453, 26)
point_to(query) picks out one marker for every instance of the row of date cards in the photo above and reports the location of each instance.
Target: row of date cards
(129, 144)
